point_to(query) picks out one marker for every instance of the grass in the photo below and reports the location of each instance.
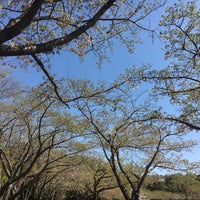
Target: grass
(162, 195)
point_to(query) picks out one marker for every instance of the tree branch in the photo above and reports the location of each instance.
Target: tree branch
(7, 50)
(50, 78)
(190, 125)
(10, 32)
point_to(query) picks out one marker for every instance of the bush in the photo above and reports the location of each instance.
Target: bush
(157, 186)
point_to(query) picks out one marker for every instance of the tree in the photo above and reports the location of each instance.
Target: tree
(9, 86)
(91, 179)
(183, 86)
(133, 143)
(155, 182)
(36, 138)
(186, 185)
(180, 80)
(52, 24)
(32, 30)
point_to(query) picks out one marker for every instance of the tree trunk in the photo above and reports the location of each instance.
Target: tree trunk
(135, 195)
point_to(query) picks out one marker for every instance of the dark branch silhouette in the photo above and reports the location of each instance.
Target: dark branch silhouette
(7, 50)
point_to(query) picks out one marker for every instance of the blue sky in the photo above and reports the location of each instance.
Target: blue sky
(69, 65)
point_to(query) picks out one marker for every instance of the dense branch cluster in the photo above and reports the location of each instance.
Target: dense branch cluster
(71, 138)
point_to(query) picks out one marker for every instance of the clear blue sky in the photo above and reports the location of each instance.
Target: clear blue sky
(69, 65)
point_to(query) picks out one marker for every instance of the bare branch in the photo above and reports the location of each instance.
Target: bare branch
(7, 50)
(10, 32)
(50, 78)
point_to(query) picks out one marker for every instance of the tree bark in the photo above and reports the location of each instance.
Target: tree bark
(7, 50)
(10, 32)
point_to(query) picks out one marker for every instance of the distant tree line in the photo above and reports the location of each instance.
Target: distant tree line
(186, 185)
